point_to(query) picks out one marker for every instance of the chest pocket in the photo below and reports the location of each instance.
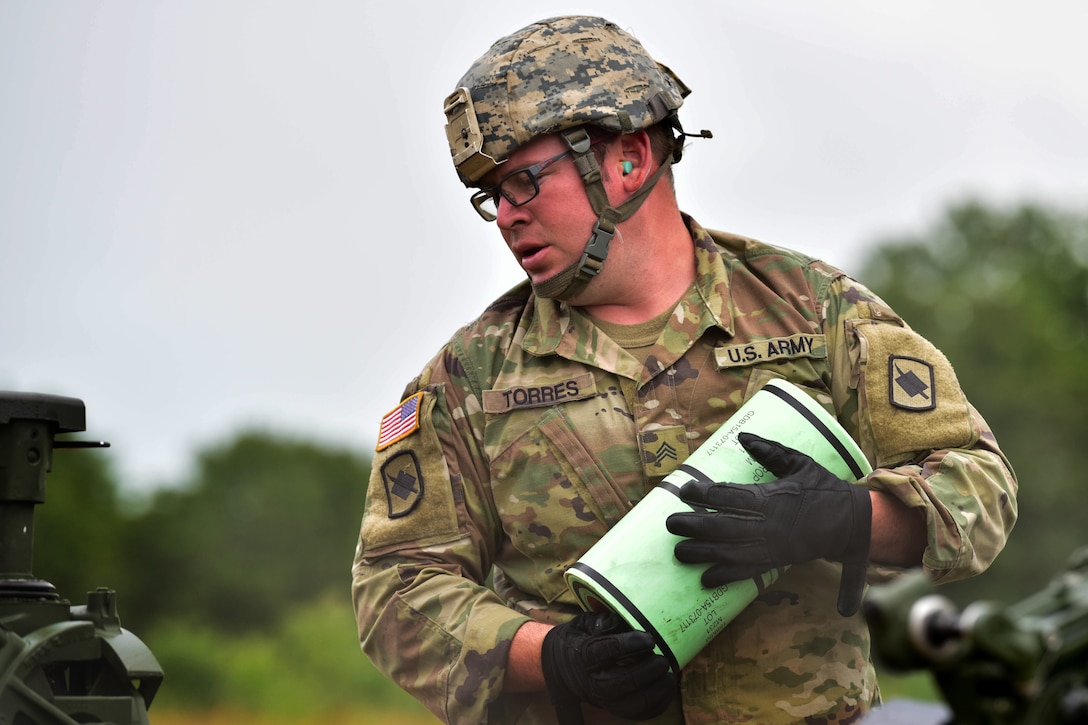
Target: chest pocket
(554, 495)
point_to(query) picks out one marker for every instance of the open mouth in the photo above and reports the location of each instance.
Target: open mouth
(528, 253)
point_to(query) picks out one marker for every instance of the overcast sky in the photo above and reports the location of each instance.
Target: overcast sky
(218, 214)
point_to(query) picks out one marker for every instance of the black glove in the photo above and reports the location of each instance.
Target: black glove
(808, 513)
(598, 659)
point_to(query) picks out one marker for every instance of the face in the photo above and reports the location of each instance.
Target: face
(548, 233)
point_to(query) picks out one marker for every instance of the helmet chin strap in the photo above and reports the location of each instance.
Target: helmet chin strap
(570, 282)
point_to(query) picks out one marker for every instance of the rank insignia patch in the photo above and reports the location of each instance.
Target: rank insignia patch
(400, 422)
(663, 449)
(910, 383)
(403, 484)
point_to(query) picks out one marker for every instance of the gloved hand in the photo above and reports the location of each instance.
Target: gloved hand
(598, 659)
(808, 513)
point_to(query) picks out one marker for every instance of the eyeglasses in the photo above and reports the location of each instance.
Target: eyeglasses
(520, 187)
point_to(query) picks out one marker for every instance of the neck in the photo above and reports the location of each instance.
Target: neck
(649, 269)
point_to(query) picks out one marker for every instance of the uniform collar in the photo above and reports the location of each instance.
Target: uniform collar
(550, 327)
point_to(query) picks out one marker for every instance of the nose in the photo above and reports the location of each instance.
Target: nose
(507, 215)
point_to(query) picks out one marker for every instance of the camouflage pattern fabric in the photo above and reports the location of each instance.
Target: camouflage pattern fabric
(537, 433)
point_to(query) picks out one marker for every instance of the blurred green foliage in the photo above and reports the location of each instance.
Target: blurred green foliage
(238, 576)
(266, 524)
(1004, 294)
(310, 665)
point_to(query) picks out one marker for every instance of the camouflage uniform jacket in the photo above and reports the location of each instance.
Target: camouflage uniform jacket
(531, 433)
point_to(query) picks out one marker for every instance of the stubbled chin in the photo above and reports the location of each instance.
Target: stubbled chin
(557, 285)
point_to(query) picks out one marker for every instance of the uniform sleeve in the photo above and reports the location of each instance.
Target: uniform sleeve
(900, 398)
(425, 615)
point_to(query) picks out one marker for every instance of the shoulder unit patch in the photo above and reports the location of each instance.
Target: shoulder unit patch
(403, 483)
(913, 401)
(911, 383)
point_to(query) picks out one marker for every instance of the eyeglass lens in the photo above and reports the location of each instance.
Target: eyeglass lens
(520, 187)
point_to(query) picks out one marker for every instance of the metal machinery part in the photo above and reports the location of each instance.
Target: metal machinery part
(59, 664)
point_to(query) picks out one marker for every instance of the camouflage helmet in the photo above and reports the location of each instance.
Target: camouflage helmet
(551, 76)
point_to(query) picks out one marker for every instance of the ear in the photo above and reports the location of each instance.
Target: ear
(633, 148)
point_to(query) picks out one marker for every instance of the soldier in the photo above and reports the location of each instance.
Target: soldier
(541, 423)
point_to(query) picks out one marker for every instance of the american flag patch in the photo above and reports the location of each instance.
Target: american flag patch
(400, 422)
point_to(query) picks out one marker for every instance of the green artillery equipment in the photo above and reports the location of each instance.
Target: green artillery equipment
(59, 664)
(1024, 664)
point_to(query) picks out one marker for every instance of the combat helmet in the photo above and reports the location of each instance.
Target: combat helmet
(562, 75)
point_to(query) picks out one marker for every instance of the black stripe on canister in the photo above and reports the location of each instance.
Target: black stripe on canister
(696, 475)
(631, 609)
(823, 429)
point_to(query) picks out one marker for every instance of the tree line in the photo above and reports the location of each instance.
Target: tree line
(267, 523)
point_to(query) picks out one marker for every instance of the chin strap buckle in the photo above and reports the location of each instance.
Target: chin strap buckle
(596, 250)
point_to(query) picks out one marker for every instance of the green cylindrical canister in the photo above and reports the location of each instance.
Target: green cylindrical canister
(632, 569)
